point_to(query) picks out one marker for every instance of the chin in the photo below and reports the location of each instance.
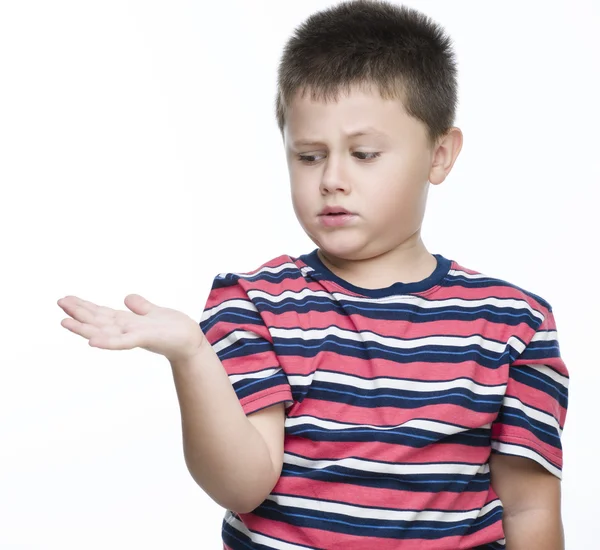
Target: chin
(344, 247)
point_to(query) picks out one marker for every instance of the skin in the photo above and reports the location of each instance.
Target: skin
(387, 194)
(380, 246)
(383, 177)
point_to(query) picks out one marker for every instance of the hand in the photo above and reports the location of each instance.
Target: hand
(157, 329)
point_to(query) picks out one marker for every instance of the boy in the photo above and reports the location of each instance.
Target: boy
(383, 397)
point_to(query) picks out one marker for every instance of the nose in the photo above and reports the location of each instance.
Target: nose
(333, 178)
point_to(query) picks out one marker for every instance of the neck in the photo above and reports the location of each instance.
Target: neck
(407, 263)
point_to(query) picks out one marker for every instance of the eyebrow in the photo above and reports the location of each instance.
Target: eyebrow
(368, 131)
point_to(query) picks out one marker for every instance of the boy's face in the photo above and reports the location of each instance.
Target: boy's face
(381, 177)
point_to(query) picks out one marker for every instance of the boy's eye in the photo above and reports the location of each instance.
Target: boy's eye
(310, 159)
(373, 155)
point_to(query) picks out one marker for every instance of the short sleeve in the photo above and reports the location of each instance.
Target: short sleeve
(235, 329)
(534, 407)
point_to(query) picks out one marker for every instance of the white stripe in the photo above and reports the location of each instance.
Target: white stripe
(289, 294)
(397, 384)
(368, 336)
(262, 539)
(512, 303)
(545, 336)
(517, 344)
(459, 272)
(429, 425)
(466, 304)
(541, 416)
(233, 378)
(387, 468)
(236, 303)
(232, 338)
(551, 373)
(384, 514)
(559, 379)
(298, 380)
(264, 269)
(518, 450)
(305, 270)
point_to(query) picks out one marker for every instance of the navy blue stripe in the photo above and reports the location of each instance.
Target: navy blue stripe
(535, 379)
(487, 282)
(235, 316)
(244, 388)
(357, 526)
(239, 541)
(541, 350)
(370, 350)
(428, 483)
(491, 546)
(244, 347)
(544, 432)
(231, 279)
(388, 397)
(400, 312)
(411, 437)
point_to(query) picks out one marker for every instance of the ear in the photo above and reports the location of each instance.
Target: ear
(445, 154)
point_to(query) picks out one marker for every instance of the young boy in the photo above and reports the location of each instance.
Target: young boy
(368, 394)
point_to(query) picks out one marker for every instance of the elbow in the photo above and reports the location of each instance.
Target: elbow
(243, 500)
(244, 507)
(242, 504)
(241, 494)
(238, 499)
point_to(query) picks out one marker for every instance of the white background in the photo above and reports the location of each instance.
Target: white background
(139, 153)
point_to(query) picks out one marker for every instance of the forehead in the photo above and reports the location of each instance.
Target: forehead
(357, 103)
(355, 113)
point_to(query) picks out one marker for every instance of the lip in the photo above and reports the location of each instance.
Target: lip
(334, 210)
(334, 216)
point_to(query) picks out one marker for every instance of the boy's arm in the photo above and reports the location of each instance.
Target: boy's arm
(531, 499)
(236, 459)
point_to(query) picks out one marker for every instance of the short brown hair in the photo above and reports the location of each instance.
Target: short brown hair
(399, 50)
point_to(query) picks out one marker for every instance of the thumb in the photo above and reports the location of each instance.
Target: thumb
(138, 304)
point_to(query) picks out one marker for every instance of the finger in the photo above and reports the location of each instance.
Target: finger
(82, 329)
(138, 304)
(96, 309)
(71, 302)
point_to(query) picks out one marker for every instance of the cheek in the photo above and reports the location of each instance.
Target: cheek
(395, 200)
(301, 198)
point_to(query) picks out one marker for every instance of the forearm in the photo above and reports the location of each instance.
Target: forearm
(224, 452)
(534, 529)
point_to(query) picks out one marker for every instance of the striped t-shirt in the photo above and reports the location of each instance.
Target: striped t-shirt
(394, 400)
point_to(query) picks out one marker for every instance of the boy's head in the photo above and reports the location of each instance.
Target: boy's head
(387, 72)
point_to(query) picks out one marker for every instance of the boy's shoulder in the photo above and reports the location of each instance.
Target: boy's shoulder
(477, 281)
(274, 270)
(466, 283)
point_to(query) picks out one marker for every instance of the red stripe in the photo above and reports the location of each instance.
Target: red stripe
(266, 398)
(377, 367)
(538, 399)
(515, 435)
(389, 416)
(395, 328)
(386, 452)
(376, 497)
(326, 539)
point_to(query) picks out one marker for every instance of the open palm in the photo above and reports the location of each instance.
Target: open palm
(157, 329)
